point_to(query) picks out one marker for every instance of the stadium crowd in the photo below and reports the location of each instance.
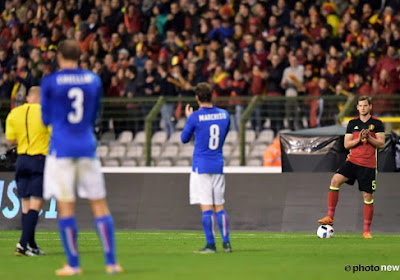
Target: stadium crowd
(242, 48)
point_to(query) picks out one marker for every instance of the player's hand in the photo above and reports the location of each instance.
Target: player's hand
(188, 110)
(364, 134)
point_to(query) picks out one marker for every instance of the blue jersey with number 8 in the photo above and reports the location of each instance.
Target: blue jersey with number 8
(70, 102)
(209, 126)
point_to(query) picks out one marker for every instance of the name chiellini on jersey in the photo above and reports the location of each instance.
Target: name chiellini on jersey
(210, 127)
(70, 104)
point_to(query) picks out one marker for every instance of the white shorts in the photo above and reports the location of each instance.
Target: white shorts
(207, 189)
(63, 175)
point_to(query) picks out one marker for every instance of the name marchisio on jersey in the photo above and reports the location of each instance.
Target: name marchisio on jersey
(212, 117)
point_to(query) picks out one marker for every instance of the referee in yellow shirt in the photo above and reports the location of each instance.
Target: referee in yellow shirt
(25, 129)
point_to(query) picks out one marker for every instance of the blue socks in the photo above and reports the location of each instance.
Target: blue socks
(208, 226)
(105, 230)
(68, 233)
(223, 224)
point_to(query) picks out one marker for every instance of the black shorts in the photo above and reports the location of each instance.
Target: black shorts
(29, 175)
(365, 176)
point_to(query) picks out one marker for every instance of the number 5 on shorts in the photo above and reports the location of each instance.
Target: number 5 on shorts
(374, 185)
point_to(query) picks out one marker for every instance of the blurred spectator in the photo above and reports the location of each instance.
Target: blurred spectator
(292, 82)
(132, 19)
(239, 89)
(149, 81)
(260, 55)
(175, 19)
(23, 80)
(221, 82)
(132, 89)
(117, 86)
(313, 103)
(274, 89)
(335, 38)
(167, 89)
(384, 105)
(328, 108)
(257, 87)
(360, 87)
(391, 64)
(36, 64)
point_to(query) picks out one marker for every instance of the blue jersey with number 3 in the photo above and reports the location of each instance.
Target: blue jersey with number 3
(209, 126)
(70, 102)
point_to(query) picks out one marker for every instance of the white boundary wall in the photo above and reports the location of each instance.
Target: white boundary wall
(183, 170)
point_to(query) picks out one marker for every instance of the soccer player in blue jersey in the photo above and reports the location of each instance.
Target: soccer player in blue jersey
(209, 125)
(70, 104)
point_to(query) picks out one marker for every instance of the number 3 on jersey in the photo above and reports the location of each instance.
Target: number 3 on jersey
(76, 94)
(213, 142)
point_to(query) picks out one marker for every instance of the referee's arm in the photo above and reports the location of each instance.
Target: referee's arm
(10, 132)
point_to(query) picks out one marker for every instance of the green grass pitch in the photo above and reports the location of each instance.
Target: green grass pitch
(169, 255)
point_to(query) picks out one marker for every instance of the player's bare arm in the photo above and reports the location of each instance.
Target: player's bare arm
(12, 142)
(350, 143)
(378, 142)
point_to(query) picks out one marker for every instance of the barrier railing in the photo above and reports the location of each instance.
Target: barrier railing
(138, 114)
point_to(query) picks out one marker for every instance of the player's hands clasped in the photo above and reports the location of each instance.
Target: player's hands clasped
(188, 110)
(364, 134)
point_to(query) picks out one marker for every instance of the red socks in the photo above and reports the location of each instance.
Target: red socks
(368, 214)
(333, 197)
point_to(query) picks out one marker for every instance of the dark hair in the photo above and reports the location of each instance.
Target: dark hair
(132, 69)
(69, 50)
(203, 92)
(364, 97)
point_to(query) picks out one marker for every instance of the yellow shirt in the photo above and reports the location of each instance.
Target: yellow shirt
(24, 124)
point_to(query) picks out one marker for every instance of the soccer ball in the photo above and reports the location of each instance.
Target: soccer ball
(325, 231)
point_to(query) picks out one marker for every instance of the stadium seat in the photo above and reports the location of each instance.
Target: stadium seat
(140, 138)
(107, 137)
(186, 151)
(102, 151)
(155, 151)
(171, 151)
(227, 149)
(159, 138)
(114, 143)
(3, 139)
(125, 137)
(129, 162)
(135, 151)
(248, 124)
(235, 152)
(180, 124)
(162, 125)
(110, 162)
(183, 162)
(250, 136)
(164, 162)
(117, 152)
(175, 138)
(258, 150)
(232, 137)
(233, 162)
(266, 136)
(142, 162)
(254, 162)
